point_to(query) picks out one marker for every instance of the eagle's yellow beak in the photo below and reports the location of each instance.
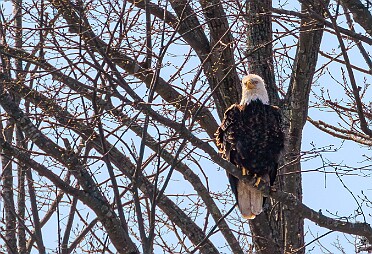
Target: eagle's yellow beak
(250, 85)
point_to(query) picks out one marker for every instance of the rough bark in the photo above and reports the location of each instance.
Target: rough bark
(361, 14)
(21, 200)
(7, 194)
(7, 176)
(223, 78)
(21, 197)
(259, 44)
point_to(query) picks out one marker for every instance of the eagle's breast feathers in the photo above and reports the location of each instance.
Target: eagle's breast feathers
(251, 136)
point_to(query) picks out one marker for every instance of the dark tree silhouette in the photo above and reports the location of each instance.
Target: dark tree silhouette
(109, 108)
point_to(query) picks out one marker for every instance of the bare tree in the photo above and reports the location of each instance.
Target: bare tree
(109, 108)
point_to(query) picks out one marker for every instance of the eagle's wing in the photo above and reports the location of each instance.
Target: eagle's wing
(226, 133)
(226, 140)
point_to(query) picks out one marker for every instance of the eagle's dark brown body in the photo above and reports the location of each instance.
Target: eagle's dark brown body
(251, 137)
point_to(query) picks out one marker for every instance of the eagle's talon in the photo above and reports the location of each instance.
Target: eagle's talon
(244, 171)
(257, 181)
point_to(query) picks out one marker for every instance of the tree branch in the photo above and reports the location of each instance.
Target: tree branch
(295, 205)
(222, 74)
(361, 14)
(314, 16)
(341, 133)
(65, 118)
(188, 25)
(357, 228)
(54, 110)
(51, 210)
(123, 163)
(359, 104)
(81, 236)
(35, 212)
(165, 90)
(362, 50)
(68, 120)
(97, 201)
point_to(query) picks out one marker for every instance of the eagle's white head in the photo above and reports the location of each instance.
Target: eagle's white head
(253, 88)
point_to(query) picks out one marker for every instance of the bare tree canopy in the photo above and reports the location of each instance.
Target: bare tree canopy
(109, 108)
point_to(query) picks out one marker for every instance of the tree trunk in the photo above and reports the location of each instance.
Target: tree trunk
(260, 62)
(284, 228)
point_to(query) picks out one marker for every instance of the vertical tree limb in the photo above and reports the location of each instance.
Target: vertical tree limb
(296, 111)
(7, 190)
(21, 197)
(259, 33)
(35, 212)
(223, 71)
(66, 235)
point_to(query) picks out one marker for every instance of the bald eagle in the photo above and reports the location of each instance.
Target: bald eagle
(251, 137)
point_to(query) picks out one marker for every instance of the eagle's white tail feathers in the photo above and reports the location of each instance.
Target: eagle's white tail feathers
(250, 200)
